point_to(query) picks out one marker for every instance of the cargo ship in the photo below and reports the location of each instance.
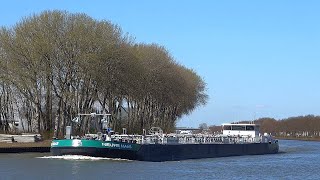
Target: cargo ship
(156, 146)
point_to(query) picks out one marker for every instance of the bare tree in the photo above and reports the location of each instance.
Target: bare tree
(56, 64)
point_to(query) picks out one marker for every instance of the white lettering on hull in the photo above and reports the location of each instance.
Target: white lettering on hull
(76, 143)
(54, 143)
(121, 146)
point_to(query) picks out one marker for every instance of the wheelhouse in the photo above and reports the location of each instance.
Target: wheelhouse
(252, 130)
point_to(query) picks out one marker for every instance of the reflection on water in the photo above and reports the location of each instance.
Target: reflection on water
(75, 168)
(298, 161)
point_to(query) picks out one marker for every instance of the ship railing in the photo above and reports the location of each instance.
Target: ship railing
(196, 139)
(214, 139)
(240, 140)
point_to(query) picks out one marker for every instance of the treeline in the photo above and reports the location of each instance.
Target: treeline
(295, 127)
(301, 126)
(56, 64)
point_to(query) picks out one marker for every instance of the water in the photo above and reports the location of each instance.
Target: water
(297, 160)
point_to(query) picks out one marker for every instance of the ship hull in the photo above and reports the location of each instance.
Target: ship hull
(163, 152)
(154, 152)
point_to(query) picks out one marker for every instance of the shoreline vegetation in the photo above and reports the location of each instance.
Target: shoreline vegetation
(55, 65)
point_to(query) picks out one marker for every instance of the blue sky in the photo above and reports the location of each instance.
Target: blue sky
(258, 58)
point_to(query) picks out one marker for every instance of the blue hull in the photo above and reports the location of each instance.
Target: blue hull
(172, 152)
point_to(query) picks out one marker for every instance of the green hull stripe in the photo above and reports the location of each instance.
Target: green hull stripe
(94, 143)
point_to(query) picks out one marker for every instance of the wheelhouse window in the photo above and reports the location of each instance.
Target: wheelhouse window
(249, 128)
(239, 128)
(226, 127)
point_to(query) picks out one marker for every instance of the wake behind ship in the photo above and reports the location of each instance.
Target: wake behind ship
(236, 140)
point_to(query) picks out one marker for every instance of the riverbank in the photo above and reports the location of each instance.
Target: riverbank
(45, 143)
(300, 138)
(42, 146)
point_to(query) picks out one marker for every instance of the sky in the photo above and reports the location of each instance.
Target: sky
(258, 58)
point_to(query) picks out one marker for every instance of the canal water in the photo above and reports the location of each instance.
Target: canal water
(297, 160)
